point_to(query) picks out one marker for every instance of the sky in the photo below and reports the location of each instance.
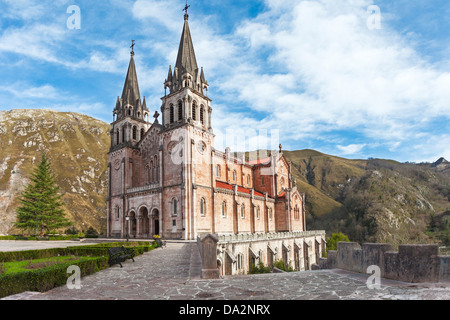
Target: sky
(352, 78)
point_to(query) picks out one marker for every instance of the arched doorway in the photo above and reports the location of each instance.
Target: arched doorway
(145, 223)
(155, 216)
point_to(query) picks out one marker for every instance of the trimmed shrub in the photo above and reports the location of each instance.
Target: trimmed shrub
(47, 278)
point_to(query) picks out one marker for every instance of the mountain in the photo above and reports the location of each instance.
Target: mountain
(375, 200)
(372, 200)
(77, 146)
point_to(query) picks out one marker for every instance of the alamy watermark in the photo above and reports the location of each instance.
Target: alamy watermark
(374, 281)
(74, 21)
(74, 281)
(374, 20)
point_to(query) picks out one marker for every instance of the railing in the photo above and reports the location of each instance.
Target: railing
(144, 188)
(269, 236)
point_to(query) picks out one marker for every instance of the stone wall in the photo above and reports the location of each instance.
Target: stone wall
(412, 263)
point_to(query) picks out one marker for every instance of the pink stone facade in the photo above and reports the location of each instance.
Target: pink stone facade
(167, 178)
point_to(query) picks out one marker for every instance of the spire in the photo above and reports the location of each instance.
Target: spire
(202, 77)
(169, 76)
(186, 61)
(130, 92)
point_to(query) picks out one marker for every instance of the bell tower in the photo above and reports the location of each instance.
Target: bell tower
(188, 140)
(131, 115)
(186, 89)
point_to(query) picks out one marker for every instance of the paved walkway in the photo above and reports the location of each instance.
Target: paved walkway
(173, 273)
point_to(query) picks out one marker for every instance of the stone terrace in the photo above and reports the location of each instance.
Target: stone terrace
(173, 273)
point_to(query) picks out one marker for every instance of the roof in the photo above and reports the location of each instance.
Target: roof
(186, 60)
(260, 161)
(227, 186)
(224, 185)
(130, 92)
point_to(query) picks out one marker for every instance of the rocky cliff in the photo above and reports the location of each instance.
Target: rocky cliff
(375, 200)
(77, 146)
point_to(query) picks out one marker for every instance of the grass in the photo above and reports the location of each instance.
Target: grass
(27, 265)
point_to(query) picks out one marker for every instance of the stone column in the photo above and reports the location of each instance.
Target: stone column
(139, 227)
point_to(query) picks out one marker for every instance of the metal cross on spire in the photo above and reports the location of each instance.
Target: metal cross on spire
(186, 8)
(132, 46)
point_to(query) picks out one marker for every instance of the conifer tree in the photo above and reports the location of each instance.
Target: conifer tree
(42, 208)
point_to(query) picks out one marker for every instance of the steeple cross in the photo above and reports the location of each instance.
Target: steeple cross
(132, 46)
(186, 7)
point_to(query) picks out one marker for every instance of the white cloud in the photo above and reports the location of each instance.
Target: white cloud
(324, 70)
(36, 41)
(157, 11)
(351, 149)
(25, 91)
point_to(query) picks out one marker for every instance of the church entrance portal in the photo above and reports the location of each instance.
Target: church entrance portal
(155, 215)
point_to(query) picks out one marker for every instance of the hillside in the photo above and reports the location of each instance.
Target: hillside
(77, 146)
(369, 200)
(375, 200)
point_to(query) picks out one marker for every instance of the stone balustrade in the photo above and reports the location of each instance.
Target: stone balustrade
(269, 236)
(144, 188)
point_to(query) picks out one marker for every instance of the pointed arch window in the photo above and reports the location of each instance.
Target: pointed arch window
(123, 135)
(151, 172)
(218, 171)
(242, 211)
(224, 209)
(134, 133)
(174, 207)
(156, 169)
(202, 207)
(194, 111)
(118, 136)
(257, 212)
(172, 114)
(180, 111)
(202, 115)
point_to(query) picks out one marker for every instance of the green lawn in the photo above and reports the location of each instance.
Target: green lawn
(29, 265)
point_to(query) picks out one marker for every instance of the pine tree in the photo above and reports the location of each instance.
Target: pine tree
(42, 208)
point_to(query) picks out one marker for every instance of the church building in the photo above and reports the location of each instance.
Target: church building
(167, 179)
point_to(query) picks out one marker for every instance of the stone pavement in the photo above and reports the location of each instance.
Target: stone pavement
(173, 273)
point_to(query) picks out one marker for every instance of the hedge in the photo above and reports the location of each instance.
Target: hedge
(45, 279)
(83, 251)
(94, 258)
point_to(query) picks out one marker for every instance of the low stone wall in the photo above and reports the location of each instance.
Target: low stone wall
(412, 263)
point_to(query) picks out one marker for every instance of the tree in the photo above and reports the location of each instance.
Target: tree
(42, 208)
(334, 239)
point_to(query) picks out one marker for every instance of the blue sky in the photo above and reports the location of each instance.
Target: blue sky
(309, 72)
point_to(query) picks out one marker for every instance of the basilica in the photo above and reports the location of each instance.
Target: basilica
(166, 178)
